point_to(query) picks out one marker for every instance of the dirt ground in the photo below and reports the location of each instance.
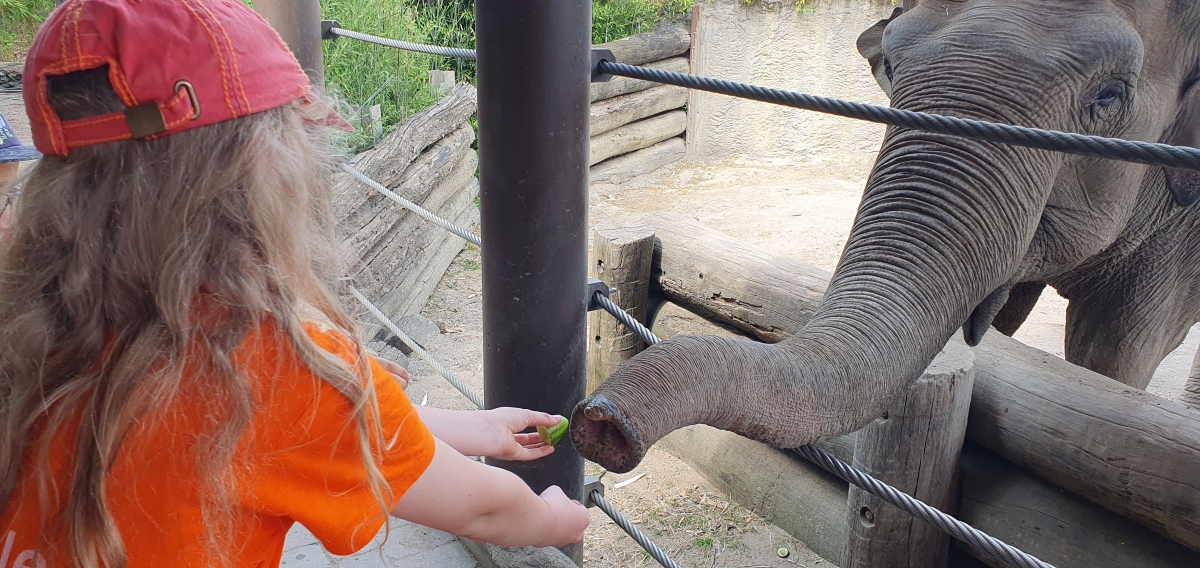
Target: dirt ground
(803, 212)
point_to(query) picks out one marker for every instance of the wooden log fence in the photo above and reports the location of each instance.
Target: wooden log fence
(428, 160)
(636, 126)
(1115, 482)
(621, 254)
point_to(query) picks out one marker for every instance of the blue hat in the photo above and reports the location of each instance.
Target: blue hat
(11, 149)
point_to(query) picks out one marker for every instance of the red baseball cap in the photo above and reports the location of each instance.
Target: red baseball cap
(176, 64)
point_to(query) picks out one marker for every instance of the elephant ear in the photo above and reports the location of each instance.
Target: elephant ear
(870, 45)
(1185, 184)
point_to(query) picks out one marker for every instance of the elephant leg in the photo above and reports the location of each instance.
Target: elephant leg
(1021, 300)
(1191, 391)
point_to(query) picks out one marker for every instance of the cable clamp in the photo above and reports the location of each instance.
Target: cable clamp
(591, 484)
(599, 55)
(327, 29)
(594, 286)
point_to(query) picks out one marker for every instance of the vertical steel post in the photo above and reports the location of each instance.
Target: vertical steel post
(533, 75)
(298, 22)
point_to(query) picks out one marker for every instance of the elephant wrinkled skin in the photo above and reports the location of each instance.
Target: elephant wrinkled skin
(955, 233)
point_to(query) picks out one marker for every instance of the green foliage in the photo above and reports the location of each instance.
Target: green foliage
(19, 20)
(34, 11)
(705, 543)
(615, 19)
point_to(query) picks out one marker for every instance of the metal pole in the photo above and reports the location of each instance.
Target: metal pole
(298, 22)
(534, 73)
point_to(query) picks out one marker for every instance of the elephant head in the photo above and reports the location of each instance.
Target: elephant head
(950, 232)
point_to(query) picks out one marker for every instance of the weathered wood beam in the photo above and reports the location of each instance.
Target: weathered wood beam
(624, 85)
(638, 135)
(621, 254)
(1134, 453)
(915, 447)
(667, 41)
(638, 162)
(619, 111)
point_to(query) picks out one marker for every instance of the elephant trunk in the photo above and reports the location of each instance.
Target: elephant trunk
(935, 244)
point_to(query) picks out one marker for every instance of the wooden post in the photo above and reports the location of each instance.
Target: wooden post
(621, 255)
(915, 447)
(1191, 391)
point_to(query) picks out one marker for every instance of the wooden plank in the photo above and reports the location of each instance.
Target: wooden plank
(639, 162)
(621, 254)
(915, 447)
(726, 279)
(1055, 525)
(1190, 396)
(640, 134)
(624, 85)
(387, 162)
(619, 111)
(667, 41)
(1133, 452)
(998, 497)
(668, 319)
(361, 229)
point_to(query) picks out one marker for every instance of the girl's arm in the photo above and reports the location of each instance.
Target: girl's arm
(490, 433)
(469, 499)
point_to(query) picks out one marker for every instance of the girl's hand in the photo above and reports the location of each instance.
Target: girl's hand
(395, 369)
(500, 438)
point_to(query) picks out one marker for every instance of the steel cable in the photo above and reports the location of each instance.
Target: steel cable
(979, 541)
(1070, 143)
(470, 237)
(455, 52)
(467, 392)
(652, 549)
(636, 327)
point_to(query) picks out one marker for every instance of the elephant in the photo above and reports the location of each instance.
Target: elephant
(1191, 390)
(953, 233)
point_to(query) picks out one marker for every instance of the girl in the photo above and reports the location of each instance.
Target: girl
(178, 385)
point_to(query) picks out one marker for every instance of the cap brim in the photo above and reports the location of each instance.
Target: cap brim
(19, 154)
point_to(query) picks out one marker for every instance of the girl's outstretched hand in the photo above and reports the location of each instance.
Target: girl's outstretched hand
(501, 437)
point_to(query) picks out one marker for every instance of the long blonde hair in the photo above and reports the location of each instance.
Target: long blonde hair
(111, 249)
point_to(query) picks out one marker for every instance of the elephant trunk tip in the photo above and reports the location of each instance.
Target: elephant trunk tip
(603, 434)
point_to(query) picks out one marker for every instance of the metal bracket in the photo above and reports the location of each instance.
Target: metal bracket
(326, 26)
(594, 286)
(599, 55)
(591, 483)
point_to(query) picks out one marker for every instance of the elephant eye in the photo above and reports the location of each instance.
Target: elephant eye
(887, 69)
(1109, 95)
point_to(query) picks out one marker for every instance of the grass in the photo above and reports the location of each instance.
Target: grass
(19, 21)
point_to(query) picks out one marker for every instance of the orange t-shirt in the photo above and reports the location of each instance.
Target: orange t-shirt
(298, 461)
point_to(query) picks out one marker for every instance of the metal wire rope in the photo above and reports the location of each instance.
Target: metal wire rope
(456, 52)
(467, 392)
(632, 531)
(1070, 143)
(470, 237)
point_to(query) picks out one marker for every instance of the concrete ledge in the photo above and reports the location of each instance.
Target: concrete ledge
(492, 556)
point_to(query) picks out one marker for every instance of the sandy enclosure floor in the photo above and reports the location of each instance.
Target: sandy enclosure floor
(803, 213)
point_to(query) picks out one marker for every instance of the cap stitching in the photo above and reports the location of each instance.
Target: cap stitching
(220, 56)
(78, 42)
(95, 120)
(237, 74)
(53, 126)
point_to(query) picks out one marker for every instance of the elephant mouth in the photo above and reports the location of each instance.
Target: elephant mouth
(982, 316)
(603, 434)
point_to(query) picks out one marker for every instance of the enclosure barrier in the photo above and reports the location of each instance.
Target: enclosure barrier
(1110, 148)
(1149, 153)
